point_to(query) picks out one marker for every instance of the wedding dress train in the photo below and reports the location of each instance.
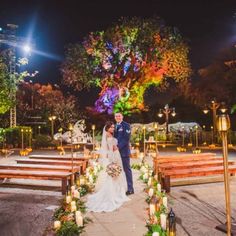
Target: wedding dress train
(110, 192)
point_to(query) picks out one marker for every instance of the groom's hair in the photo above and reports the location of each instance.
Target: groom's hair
(108, 125)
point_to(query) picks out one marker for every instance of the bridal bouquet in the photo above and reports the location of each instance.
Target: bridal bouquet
(113, 169)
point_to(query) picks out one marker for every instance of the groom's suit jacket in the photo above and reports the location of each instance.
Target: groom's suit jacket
(122, 134)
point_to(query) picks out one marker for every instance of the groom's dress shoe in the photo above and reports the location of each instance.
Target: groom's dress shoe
(129, 192)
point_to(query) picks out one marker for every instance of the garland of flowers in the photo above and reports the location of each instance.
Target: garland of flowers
(156, 199)
(69, 219)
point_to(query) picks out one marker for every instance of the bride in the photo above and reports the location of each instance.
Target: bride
(110, 191)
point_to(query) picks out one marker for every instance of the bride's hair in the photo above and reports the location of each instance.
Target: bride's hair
(108, 125)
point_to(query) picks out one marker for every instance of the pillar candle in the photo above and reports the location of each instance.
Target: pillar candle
(57, 224)
(163, 221)
(164, 200)
(156, 177)
(145, 176)
(76, 194)
(82, 181)
(90, 179)
(152, 209)
(149, 181)
(68, 199)
(150, 192)
(78, 218)
(159, 187)
(72, 189)
(73, 208)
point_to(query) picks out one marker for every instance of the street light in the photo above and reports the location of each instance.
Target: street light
(52, 119)
(167, 111)
(223, 125)
(39, 128)
(214, 105)
(22, 139)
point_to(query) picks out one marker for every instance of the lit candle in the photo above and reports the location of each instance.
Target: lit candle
(159, 187)
(150, 192)
(57, 224)
(72, 189)
(78, 218)
(163, 221)
(90, 179)
(141, 155)
(155, 234)
(73, 208)
(68, 199)
(164, 201)
(145, 176)
(152, 209)
(76, 194)
(82, 181)
(156, 177)
(149, 182)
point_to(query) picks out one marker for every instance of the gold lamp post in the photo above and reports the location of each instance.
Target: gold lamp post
(214, 105)
(223, 125)
(93, 129)
(167, 111)
(22, 139)
(39, 129)
(52, 119)
(72, 156)
(30, 138)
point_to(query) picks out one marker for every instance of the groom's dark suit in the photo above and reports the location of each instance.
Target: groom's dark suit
(122, 134)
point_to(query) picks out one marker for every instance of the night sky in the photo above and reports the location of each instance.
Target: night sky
(208, 26)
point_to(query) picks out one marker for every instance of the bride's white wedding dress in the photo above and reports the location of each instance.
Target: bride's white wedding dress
(110, 192)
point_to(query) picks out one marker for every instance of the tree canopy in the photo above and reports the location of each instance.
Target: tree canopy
(125, 60)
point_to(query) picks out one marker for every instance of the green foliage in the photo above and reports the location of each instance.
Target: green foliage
(69, 228)
(43, 141)
(5, 88)
(14, 136)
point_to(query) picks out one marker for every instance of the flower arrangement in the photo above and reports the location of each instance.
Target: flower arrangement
(69, 219)
(113, 169)
(156, 200)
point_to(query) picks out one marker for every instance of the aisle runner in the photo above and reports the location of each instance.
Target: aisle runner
(127, 220)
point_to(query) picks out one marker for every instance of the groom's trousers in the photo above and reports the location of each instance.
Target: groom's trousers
(128, 172)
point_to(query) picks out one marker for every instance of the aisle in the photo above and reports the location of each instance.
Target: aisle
(127, 221)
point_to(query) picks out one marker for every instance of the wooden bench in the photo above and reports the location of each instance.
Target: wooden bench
(39, 175)
(195, 172)
(182, 160)
(83, 164)
(40, 167)
(191, 164)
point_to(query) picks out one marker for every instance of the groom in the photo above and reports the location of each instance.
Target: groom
(122, 134)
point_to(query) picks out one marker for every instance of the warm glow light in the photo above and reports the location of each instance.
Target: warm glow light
(160, 115)
(93, 127)
(223, 123)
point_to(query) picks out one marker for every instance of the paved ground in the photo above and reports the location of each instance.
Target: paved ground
(199, 208)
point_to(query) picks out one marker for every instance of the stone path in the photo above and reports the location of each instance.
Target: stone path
(127, 220)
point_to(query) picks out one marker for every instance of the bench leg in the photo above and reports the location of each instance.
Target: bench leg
(64, 185)
(166, 183)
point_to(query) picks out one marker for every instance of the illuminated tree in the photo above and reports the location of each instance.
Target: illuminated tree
(125, 60)
(9, 82)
